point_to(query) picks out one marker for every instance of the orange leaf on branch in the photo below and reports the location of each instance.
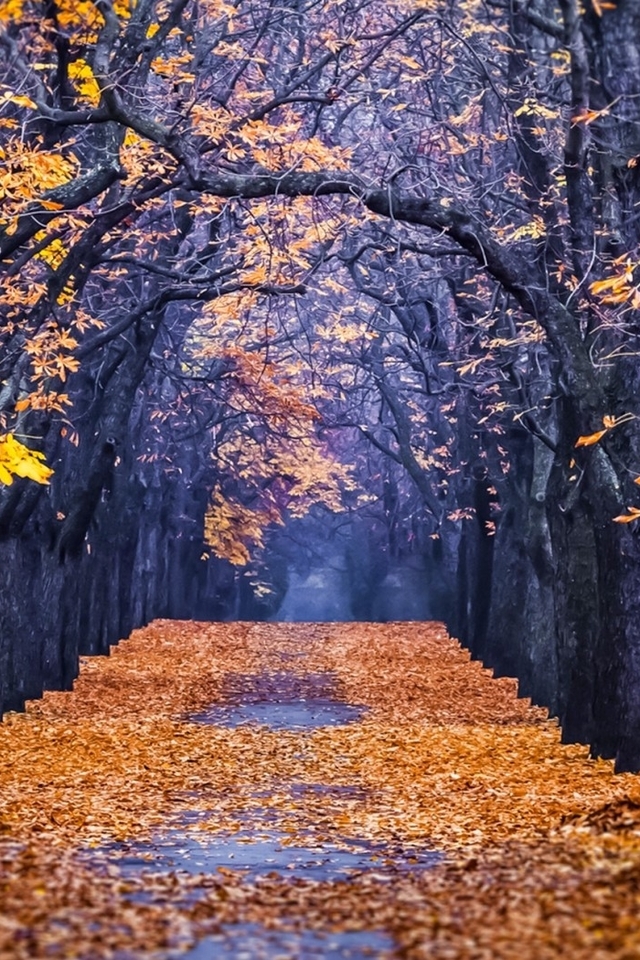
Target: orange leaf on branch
(600, 6)
(609, 423)
(592, 438)
(633, 514)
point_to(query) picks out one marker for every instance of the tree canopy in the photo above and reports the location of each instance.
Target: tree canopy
(304, 253)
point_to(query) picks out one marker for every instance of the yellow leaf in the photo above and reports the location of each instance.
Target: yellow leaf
(533, 107)
(16, 460)
(18, 99)
(600, 286)
(5, 476)
(85, 81)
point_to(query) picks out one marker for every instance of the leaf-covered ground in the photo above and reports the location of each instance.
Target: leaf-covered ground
(539, 845)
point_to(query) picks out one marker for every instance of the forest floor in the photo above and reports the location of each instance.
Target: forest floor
(319, 790)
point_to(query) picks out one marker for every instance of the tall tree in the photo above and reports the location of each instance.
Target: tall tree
(177, 164)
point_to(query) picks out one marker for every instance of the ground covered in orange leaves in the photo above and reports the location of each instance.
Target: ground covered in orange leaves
(437, 816)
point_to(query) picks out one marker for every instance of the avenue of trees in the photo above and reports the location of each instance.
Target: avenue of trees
(379, 259)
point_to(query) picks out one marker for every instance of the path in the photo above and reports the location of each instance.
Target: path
(399, 803)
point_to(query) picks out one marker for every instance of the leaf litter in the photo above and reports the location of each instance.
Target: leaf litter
(479, 834)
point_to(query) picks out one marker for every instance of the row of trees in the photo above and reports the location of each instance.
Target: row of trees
(380, 257)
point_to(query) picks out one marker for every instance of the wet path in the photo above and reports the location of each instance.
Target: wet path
(318, 790)
(280, 701)
(262, 844)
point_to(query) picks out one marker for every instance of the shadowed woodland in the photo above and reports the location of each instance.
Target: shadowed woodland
(337, 284)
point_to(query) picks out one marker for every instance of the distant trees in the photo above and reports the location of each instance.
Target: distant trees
(231, 231)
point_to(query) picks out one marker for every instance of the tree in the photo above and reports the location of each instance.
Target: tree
(168, 161)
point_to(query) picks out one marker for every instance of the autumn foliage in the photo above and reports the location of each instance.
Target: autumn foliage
(539, 843)
(381, 257)
(16, 460)
(174, 153)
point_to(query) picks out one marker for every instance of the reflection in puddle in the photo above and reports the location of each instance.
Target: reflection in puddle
(260, 843)
(258, 853)
(280, 701)
(249, 941)
(295, 715)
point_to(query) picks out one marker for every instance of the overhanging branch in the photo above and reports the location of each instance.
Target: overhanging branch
(507, 264)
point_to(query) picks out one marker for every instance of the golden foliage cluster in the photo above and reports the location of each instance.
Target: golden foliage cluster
(29, 170)
(540, 843)
(621, 287)
(17, 460)
(216, 90)
(274, 463)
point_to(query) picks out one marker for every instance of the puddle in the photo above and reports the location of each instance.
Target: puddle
(249, 941)
(280, 701)
(259, 853)
(263, 845)
(295, 715)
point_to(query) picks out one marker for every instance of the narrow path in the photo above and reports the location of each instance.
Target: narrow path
(307, 790)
